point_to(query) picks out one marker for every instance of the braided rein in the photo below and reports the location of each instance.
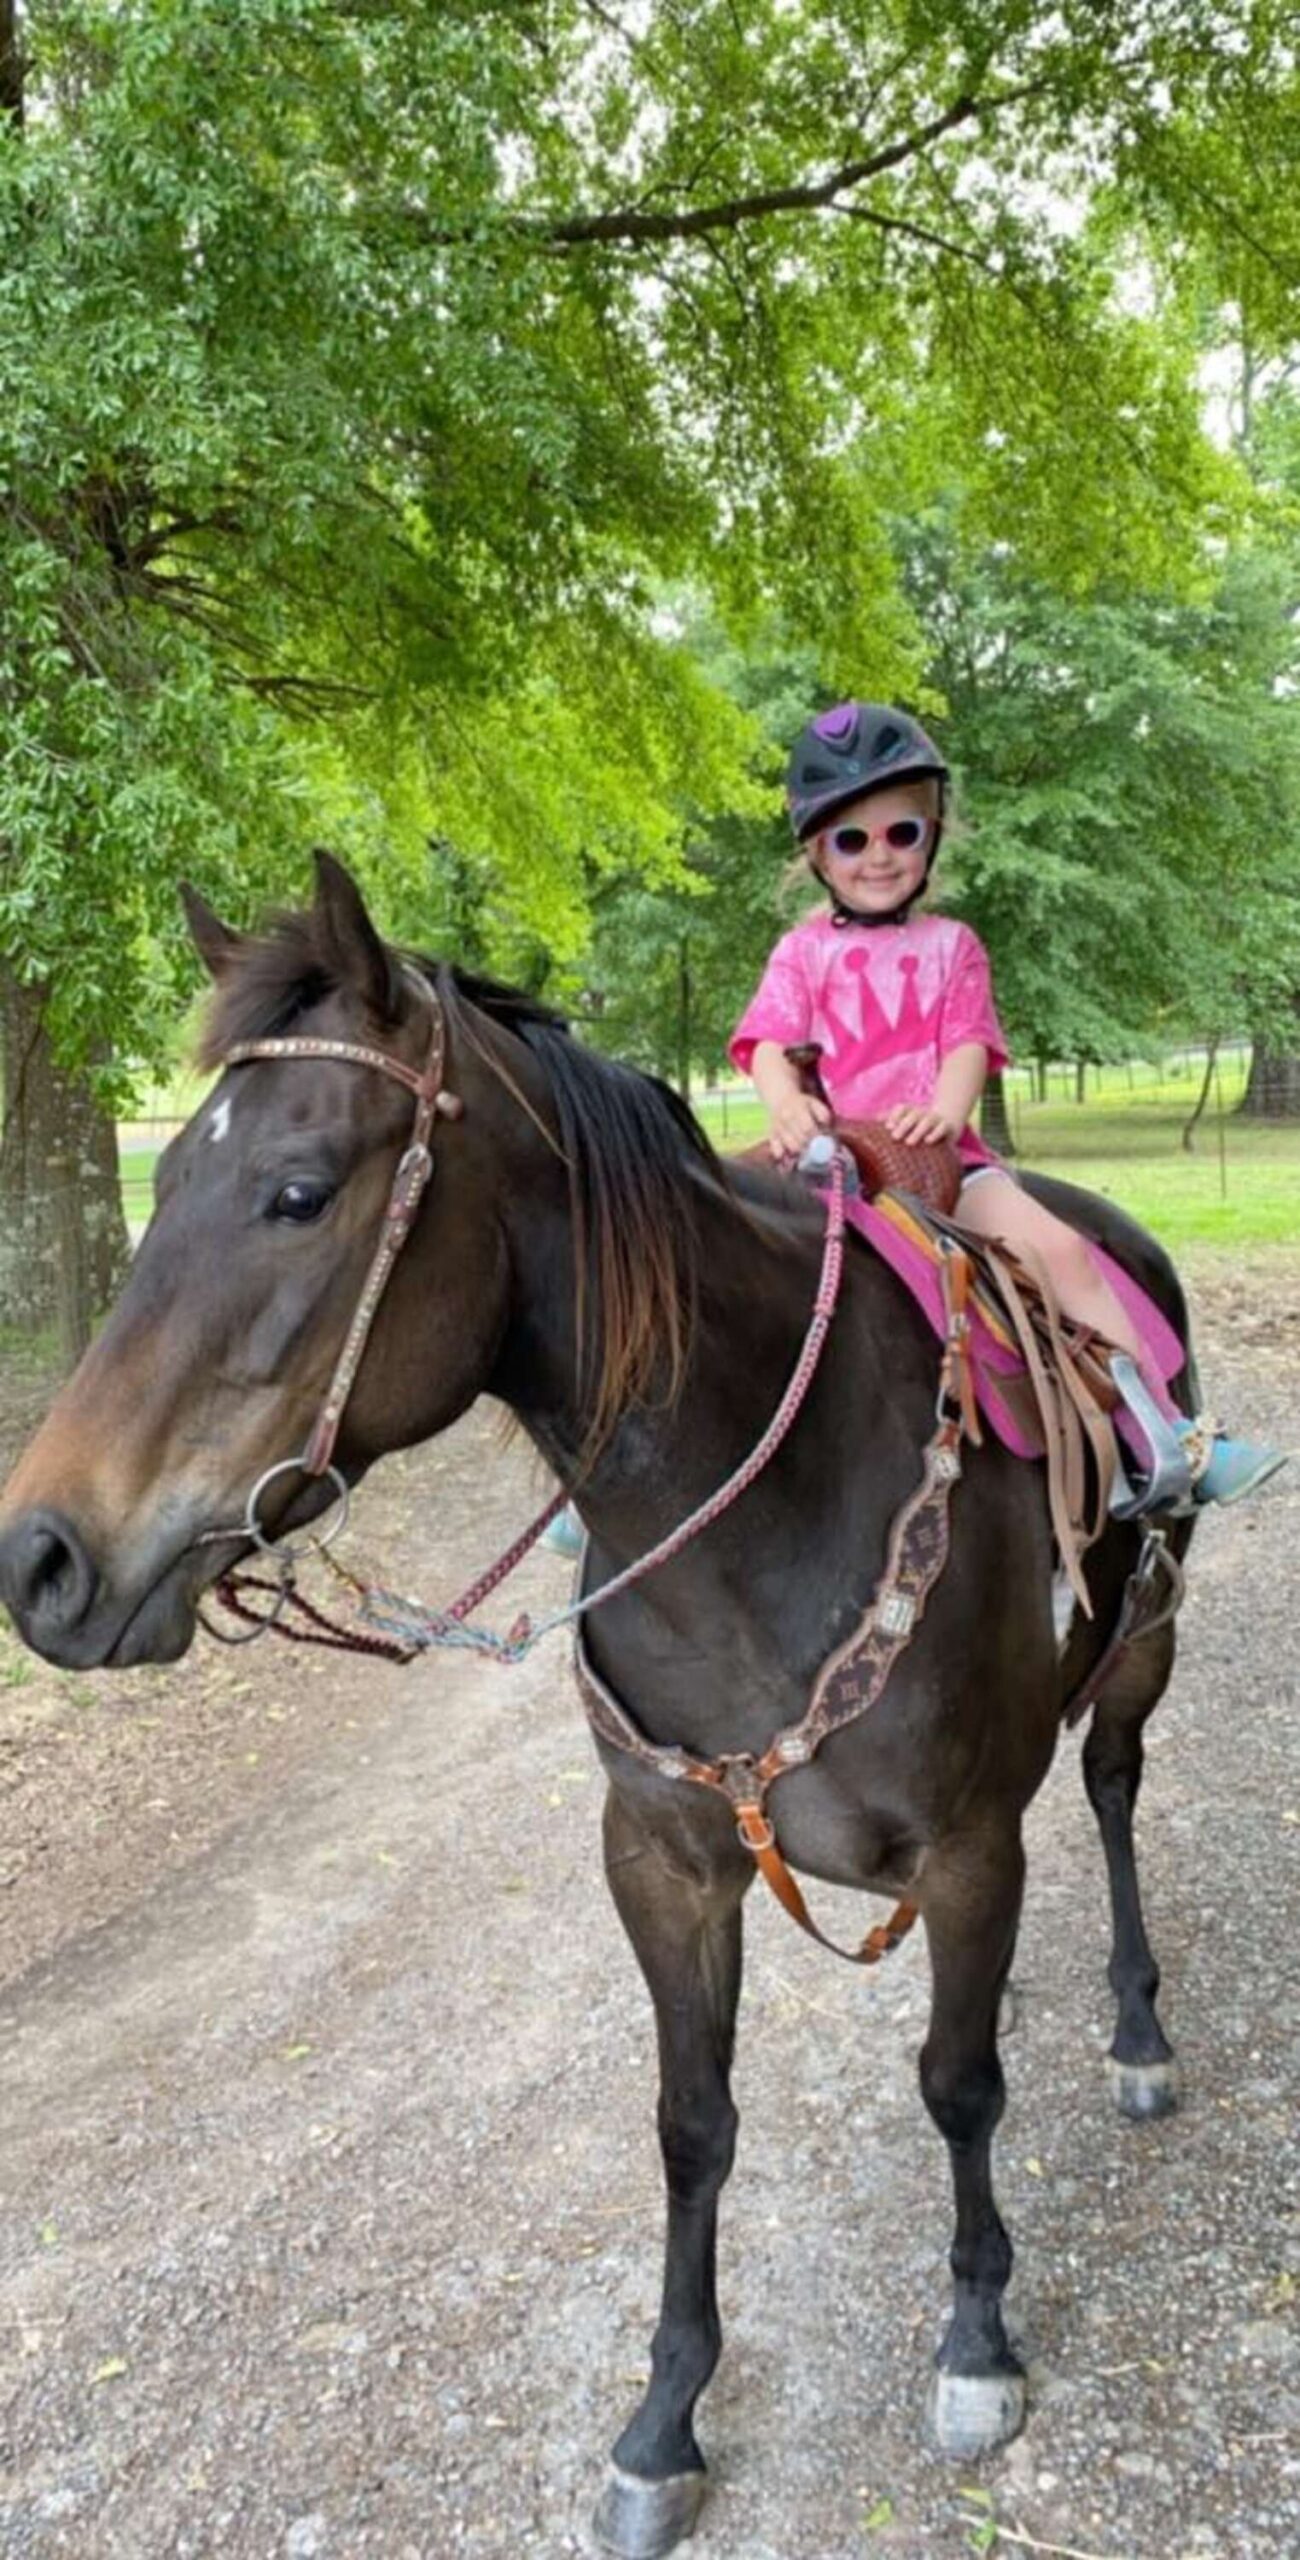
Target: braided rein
(397, 1628)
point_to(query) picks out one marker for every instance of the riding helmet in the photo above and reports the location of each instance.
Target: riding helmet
(854, 748)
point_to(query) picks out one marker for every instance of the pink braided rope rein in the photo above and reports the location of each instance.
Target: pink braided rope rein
(426, 1629)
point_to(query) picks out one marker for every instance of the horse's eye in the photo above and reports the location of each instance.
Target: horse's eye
(302, 1201)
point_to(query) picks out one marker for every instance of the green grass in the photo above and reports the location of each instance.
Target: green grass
(137, 1184)
(22, 1350)
(1240, 1185)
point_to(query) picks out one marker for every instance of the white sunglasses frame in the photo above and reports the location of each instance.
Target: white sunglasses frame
(873, 836)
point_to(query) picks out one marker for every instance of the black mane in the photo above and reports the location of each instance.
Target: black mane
(634, 1151)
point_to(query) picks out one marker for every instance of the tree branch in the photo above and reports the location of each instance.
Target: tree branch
(608, 19)
(633, 226)
(1236, 223)
(629, 226)
(162, 536)
(917, 231)
(311, 692)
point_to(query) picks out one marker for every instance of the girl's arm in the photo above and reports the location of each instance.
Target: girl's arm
(958, 1088)
(795, 1116)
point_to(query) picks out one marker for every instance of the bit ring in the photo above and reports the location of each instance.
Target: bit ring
(291, 1551)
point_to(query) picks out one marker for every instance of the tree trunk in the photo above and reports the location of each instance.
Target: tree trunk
(11, 64)
(74, 1314)
(1081, 1079)
(1273, 1085)
(99, 1195)
(1211, 1060)
(63, 1240)
(995, 1121)
(684, 1031)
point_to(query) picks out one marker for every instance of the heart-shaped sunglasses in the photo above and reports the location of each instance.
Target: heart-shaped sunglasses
(898, 835)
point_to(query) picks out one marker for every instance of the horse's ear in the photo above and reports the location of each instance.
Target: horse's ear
(349, 944)
(217, 944)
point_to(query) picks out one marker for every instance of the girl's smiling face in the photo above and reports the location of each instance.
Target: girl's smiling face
(875, 854)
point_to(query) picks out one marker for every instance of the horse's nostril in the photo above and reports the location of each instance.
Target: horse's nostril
(51, 1571)
(46, 1576)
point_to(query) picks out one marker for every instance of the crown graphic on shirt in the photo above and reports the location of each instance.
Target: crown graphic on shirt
(880, 1034)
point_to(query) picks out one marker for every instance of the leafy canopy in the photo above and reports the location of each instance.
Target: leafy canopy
(367, 372)
(1129, 777)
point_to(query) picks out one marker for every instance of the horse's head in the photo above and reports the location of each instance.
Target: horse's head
(269, 1204)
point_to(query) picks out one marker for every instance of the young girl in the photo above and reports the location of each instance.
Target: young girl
(902, 1006)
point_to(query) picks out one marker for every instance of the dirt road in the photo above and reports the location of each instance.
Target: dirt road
(329, 2192)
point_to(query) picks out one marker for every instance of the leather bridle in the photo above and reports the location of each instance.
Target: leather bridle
(415, 1166)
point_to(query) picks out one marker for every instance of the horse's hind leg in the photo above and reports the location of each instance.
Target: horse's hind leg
(682, 1914)
(1144, 2073)
(971, 1890)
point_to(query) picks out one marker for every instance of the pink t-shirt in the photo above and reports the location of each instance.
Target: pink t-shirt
(888, 1003)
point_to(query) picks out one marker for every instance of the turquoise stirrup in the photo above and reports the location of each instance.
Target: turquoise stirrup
(1191, 1461)
(1167, 1484)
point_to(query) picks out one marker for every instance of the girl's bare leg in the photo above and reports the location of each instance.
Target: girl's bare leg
(996, 1206)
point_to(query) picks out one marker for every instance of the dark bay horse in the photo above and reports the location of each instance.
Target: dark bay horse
(581, 1254)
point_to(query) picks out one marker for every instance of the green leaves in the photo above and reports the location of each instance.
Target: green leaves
(371, 376)
(1129, 772)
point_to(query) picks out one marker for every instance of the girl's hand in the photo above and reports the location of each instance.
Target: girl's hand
(918, 1127)
(795, 1119)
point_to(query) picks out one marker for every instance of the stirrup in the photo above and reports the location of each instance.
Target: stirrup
(1168, 1483)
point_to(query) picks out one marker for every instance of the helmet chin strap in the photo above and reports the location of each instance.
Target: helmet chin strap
(842, 915)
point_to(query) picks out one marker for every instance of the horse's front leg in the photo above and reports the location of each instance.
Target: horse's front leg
(970, 1899)
(679, 1894)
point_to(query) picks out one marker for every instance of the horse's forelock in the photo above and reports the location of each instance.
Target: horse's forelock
(274, 977)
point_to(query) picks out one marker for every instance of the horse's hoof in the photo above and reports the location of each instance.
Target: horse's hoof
(1143, 2090)
(641, 2519)
(973, 2413)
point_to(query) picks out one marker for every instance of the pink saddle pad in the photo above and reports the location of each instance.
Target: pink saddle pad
(1164, 1353)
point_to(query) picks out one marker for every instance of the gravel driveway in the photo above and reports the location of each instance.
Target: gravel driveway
(329, 2219)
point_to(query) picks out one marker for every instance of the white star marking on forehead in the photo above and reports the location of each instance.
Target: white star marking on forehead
(219, 1124)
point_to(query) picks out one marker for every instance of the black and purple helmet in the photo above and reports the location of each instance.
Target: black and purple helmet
(854, 748)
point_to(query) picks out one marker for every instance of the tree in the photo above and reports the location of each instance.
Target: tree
(367, 372)
(666, 968)
(1129, 771)
(1270, 435)
(662, 980)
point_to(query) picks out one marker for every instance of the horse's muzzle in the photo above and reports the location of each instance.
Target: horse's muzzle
(64, 1608)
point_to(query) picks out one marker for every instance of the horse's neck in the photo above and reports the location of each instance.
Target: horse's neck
(757, 1283)
(718, 1646)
